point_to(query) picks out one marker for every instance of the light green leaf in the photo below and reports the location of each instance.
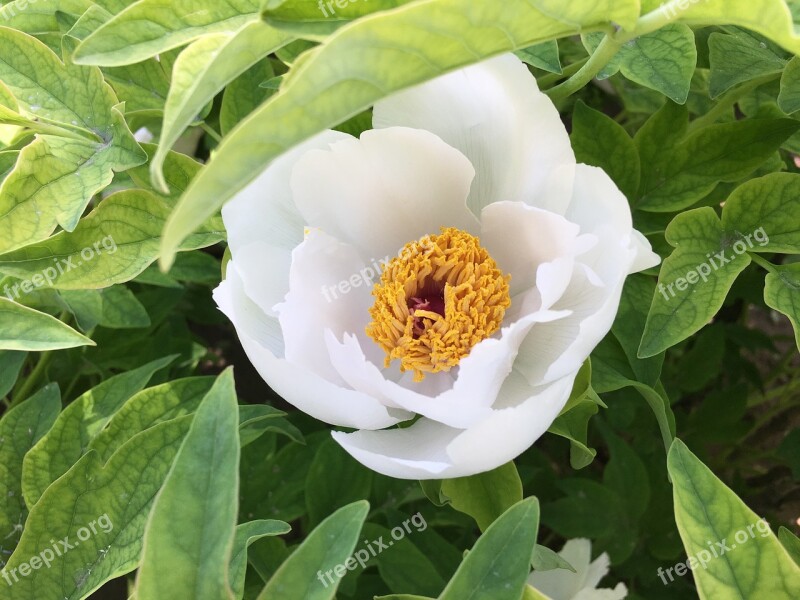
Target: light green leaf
(200, 73)
(738, 58)
(601, 142)
(113, 244)
(485, 496)
(498, 565)
(103, 508)
(782, 293)
(20, 429)
(141, 86)
(694, 280)
(544, 559)
(79, 423)
(202, 488)
(23, 328)
(327, 547)
(149, 27)
(147, 409)
(246, 534)
(315, 19)
(789, 97)
(765, 213)
(315, 96)
(706, 510)
(770, 18)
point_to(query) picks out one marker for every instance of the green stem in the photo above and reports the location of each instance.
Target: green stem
(761, 262)
(32, 381)
(549, 80)
(210, 131)
(611, 44)
(728, 101)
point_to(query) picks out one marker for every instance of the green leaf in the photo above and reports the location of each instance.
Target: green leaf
(315, 19)
(403, 566)
(663, 60)
(485, 496)
(10, 365)
(246, 534)
(600, 141)
(626, 474)
(789, 97)
(316, 96)
(244, 94)
(782, 293)
(707, 511)
(55, 177)
(147, 409)
(149, 27)
(103, 508)
(20, 429)
(115, 307)
(791, 543)
(113, 244)
(26, 329)
(334, 480)
(573, 425)
(544, 559)
(323, 552)
(201, 71)
(692, 167)
(202, 488)
(738, 58)
(542, 56)
(765, 213)
(694, 280)
(79, 423)
(770, 18)
(498, 565)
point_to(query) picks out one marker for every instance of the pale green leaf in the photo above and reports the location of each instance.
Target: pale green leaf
(22, 328)
(782, 292)
(485, 496)
(707, 511)
(738, 58)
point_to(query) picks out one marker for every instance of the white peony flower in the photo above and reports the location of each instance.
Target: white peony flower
(507, 264)
(560, 584)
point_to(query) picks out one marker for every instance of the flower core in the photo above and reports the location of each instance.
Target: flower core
(442, 295)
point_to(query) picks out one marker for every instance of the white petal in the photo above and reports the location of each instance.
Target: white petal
(618, 593)
(329, 289)
(597, 570)
(391, 187)
(495, 114)
(481, 374)
(261, 339)
(562, 584)
(264, 211)
(520, 237)
(598, 205)
(430, 450)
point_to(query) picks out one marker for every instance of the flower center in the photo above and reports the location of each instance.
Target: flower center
(442, 295)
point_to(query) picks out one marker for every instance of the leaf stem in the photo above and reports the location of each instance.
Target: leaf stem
(210, 131)
(33, 379)
(611, 44)
(761, 262)
(728, 101)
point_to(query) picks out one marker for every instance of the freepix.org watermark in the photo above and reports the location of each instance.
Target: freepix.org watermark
(368, 275)
(672, 9)
(715, 550)
(47, 276)
(9, 11)
(361, 557)
(326, 7)
(714, 262)
(57, 549)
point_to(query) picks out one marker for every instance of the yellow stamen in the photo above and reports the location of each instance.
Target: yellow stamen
(442, 295)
